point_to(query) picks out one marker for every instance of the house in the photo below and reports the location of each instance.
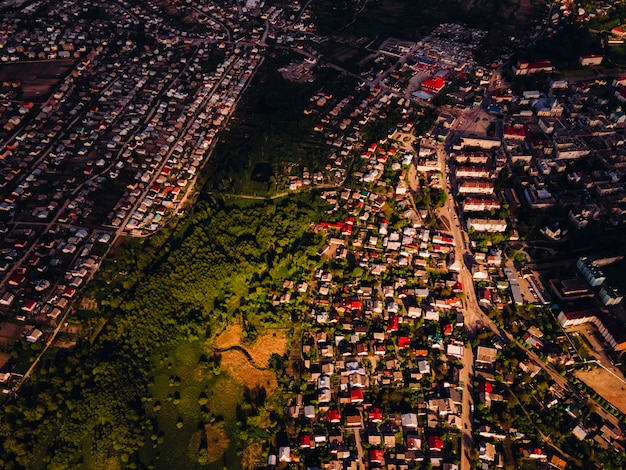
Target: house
(33, 335)
(305, 441)
(537, 453)
(593, 59)
(403, 342)
(373, 437)
(455, 350)
(319, 435)
(375, 415)
(409, 420)
(486, 355)
(69, 292)
(415, 312)
(7, 299)
(324, 396)
(29, 306)
(356, 395)
(414, 456)
(376, 456)
(579, 432)
(389, 440)
(432, 315)
(484, 298)
(284, 454)
(435, 444)
(354, 421)
(393, 324)
(557, 462)
(333, 416)
(340, 449)
(487, 451)
(532, 340)
(413, 442)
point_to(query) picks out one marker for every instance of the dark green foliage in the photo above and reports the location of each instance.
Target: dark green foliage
(90, 404)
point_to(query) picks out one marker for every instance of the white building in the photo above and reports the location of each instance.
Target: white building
(476, 187)
(487, 225)
(590, 271)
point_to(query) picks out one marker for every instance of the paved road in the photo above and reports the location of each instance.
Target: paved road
(472, 313)
(359, 448)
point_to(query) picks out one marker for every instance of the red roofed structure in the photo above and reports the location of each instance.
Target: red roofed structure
(433, 84)
(619, 31)
(485, 387)
(305, 441)
(376, 415)
(353, 303)
(404, 342)
(393, 323)
(356, 395)
(334, 416)
(513, 132)
(376, 455)
(435, 443)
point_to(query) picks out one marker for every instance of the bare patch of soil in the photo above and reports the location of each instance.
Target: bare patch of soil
(606, 385)
(237, 365)
(216, 441)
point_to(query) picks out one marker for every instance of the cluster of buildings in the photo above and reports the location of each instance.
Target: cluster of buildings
(171, 163)
(41, 273)
(27, 37)
(570, 154)
(474, 172)
(393, 334)
(593, 274)
(106, 143)
(426, 67)
(121, 133)
(364, 339)
(447, 52)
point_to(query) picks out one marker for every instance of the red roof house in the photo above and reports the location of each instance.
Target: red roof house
(435, 443)
(305, 441)
(376, 456)
(376, 415)
(334, 416)
(393, 323)
(404, 342)
(485, 387)
(433, 84)
(356, 395)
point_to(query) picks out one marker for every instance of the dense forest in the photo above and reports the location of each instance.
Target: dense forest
(91, 406)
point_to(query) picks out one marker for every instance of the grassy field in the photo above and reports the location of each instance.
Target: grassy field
(179, 382)
(195, 407)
